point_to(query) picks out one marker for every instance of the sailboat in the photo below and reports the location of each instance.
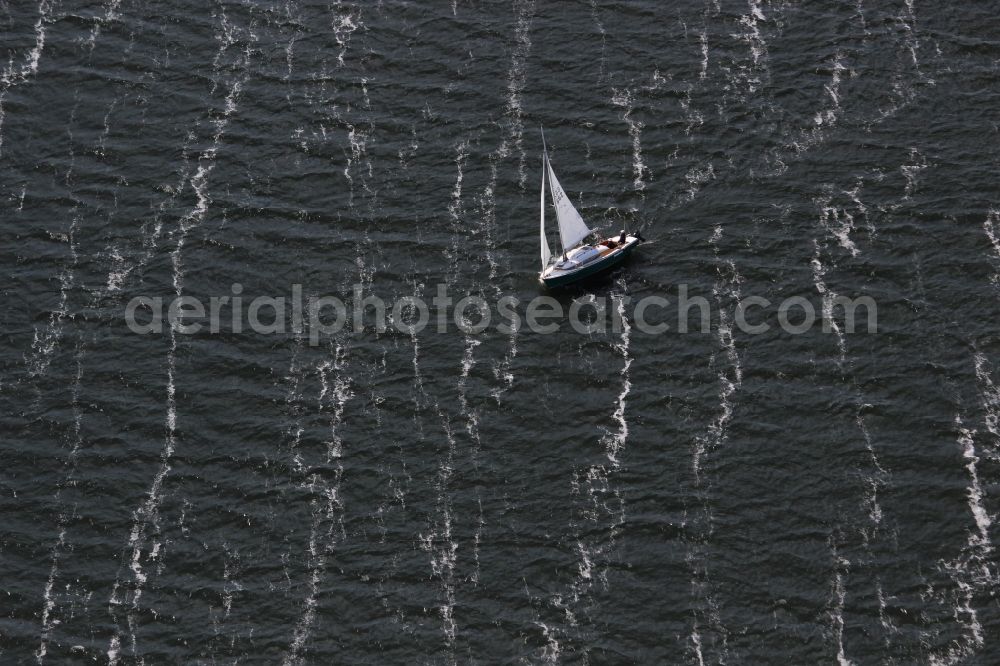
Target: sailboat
(579, 259)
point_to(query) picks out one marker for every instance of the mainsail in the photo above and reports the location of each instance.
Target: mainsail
(572, 228)
(546, 253)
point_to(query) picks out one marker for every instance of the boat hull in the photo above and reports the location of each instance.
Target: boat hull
(555, 278)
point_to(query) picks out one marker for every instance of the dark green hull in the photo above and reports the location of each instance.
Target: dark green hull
(589, 270)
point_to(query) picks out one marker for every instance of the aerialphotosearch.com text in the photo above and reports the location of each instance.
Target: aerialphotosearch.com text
(317, 317)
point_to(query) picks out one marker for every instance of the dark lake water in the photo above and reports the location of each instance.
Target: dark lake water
(602, 498)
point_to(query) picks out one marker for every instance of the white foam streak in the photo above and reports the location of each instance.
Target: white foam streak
(344, 23)
(516, 80)
(487, 204)
(989, 396)
(606, 517)
(982, 519)
(744, 76)
(120, 268)
(146, 517)
(694, 119)
(840, 224)
(512, 137)
(819, 271)
(625, 99)
(825, 118)
(875, 480)
(730, 373)
(605, 507)
(114, 650)
(838, 594)
(321, 543)
(703, 44)
(883, 616)
(110, 14)
(455, 207)
(991, 225)
(551, 651)
(339, 394)
(833, 90)
(912, 42)
(708, 609)
(614, 442)
(229, 586)
(468, 362)
(44, 11)
(726, 292)
(698, 177)
(46, 340)
(991, 228)
(696, 643)
(12, 75)
(973, 570)
(604, 38)
(35, 54)
(441, 546)
(326, 505)
(755, 41)
(911, 171)
(49, 604)
(357, 140)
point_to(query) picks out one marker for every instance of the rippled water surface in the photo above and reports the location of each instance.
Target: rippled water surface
(617, 497)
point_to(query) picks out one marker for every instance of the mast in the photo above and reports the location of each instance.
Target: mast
(545, 167)
(572, 228)
(546, 253)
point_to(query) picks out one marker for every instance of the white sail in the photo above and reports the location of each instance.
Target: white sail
(572, 228)
(546, 252)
